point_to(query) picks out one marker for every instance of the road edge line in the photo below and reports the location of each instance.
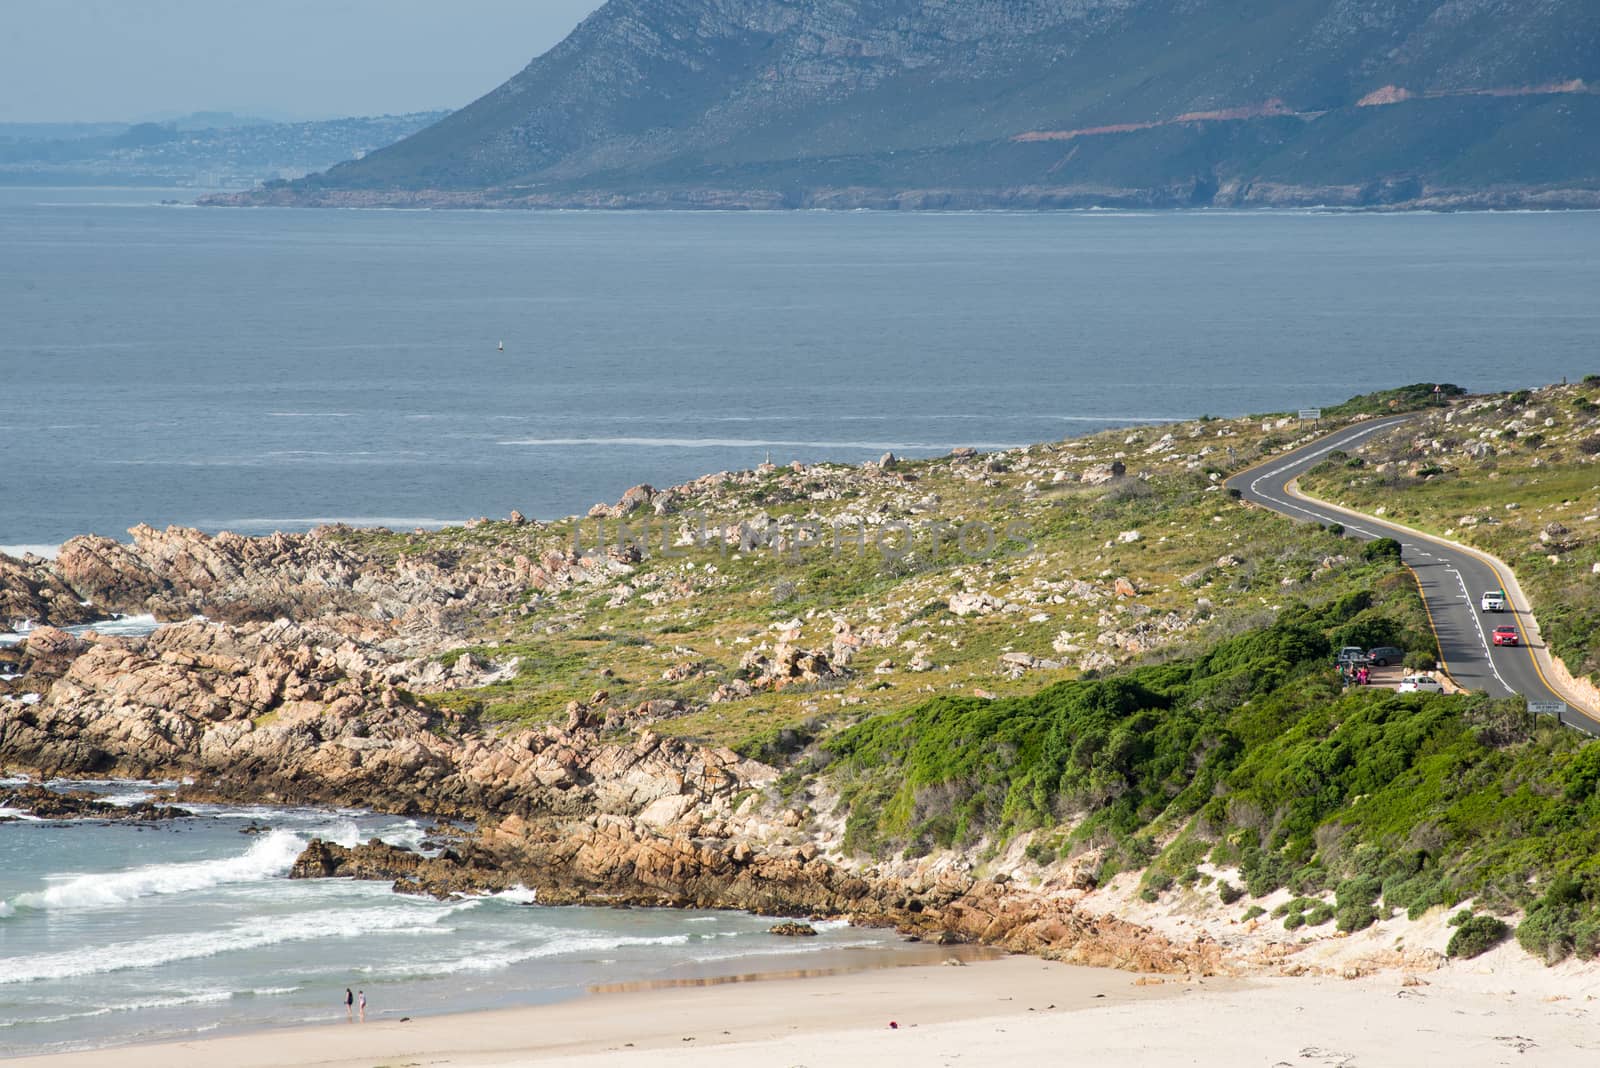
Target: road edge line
(1495, 564)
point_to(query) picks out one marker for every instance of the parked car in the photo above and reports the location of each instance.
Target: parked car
(1420, 684)
(1350, 656)
(1493, 601)
(1507, 636)
(1384, 655)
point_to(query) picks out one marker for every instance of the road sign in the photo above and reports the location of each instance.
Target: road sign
(1312, 414)
(1548, 708)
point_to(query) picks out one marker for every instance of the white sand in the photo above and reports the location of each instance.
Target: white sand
(1504, 1009)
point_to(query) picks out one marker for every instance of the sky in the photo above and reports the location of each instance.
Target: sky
(138, 60)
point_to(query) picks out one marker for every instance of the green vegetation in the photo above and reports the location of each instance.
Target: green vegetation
(1402, 399)
(1248, 754)
(1477, 935)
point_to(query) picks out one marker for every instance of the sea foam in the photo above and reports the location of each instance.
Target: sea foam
(256, 933)
(270, 857)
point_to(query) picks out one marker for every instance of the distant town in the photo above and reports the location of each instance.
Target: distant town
(207, 150)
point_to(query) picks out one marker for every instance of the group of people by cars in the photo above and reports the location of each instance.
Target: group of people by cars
(1355, 666)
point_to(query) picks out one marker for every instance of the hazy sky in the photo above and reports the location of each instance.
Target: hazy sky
(70, 60)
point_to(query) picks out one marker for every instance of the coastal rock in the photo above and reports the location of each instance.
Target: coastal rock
(179, 573)
(46, 804)
(30, 592)
(793, 930)
(1100, 474)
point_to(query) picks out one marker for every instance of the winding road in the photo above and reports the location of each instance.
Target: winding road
(1452, 578)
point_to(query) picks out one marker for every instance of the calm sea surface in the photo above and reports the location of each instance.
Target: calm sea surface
(260, 369)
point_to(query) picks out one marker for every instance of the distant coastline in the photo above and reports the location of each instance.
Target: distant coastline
(1355, 199)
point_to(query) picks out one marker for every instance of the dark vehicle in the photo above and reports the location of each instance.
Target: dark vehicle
(1507, 636)
(1384, 655)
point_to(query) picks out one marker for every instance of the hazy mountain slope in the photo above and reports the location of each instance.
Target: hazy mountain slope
(800, 101)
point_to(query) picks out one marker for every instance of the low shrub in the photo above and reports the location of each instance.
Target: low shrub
(1477, 935)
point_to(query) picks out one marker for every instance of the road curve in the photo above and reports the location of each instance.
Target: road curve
(1451, 578)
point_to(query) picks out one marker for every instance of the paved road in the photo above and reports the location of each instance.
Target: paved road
(1452, 581)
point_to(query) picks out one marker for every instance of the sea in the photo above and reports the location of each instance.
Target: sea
(115, 932)
(263, 369)
(255, 370)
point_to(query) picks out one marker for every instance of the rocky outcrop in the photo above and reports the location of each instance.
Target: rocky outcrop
(615, 860)
(49, 804)
(31, 592)
(178, 573)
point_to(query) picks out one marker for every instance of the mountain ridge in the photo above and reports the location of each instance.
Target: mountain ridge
(974, 103)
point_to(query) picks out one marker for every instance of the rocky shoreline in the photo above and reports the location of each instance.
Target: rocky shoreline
(1373, 196)
(319, 669)
(243, 704)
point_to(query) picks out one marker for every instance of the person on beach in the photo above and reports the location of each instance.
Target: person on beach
(363, 996)
(349, 1005)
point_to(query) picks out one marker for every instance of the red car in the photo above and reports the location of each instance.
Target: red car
(1507, 636)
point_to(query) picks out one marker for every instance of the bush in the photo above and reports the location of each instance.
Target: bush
(1228, 893)
(1477, 935)
(1319, 914)
(1040, 853)
(1381, 549)
(1252, 912)
(1355, 917)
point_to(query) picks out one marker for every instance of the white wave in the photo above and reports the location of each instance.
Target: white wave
(255, 933)
(49, 552)
(125, 627)
(270, 857)
(484, 961)
(408, 834)
(517, 895)
(6, 909)
(174, 1001)
(760, 443)
(807, 946)
(131, 797)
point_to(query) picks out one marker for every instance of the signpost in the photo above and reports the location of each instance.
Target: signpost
(1557, 709)
(1310, 414)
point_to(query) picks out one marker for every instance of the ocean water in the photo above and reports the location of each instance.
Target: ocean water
(261, 369)
(115, 933)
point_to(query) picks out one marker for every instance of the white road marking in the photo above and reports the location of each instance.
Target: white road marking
(1306, 461)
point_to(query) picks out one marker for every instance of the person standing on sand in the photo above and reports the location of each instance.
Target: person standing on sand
(349, 1005)
(363, 996)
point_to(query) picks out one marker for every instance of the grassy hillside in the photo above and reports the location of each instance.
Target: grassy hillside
(1066, 568)
(1133, 676)
(1247, 758)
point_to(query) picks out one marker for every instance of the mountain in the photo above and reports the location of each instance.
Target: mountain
(940, 103)
(205, 149)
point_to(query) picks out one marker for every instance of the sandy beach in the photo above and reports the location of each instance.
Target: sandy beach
(1503, 1009)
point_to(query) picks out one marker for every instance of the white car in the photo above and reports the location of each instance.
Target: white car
(1493, 601)
(1420, 684)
